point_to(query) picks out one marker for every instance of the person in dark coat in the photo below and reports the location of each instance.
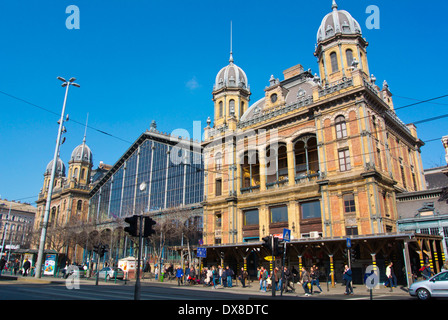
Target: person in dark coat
(26, 267)
(347, 275)
(2, 264)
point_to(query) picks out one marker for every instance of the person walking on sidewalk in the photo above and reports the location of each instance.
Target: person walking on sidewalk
(391, 278)
(347, 275)
(306, 280)
(243, 277)
(179, 275)
(314, 274)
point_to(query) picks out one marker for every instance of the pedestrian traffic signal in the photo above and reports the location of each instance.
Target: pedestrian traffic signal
(132, 228)
(148, 229)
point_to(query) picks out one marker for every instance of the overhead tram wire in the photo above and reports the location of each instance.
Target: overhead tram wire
(52, 112)
(323, 127)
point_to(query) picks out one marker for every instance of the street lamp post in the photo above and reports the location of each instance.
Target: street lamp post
(43, 235)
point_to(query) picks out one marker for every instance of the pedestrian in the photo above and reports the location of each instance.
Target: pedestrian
(243, 277)
(187, 274)
(427, 272)
(314, 274)
(179, 275)
(220, 279)
(192, 276)
(347, 275)
(391, 278)
(16, 266)
(229, 276)
(276, 278)
(263, 279)
(214, 276)
(26, 267)
(287, 276)
(306, 281)
(2, 265)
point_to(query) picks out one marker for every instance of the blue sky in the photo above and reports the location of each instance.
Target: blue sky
(142, 60)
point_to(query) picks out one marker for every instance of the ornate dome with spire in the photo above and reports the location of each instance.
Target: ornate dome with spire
(82, 153)
(60, 168)
(231, 76)
(337, 22)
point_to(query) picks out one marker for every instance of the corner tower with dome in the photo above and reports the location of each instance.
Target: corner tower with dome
(70, 198)
(337, 159)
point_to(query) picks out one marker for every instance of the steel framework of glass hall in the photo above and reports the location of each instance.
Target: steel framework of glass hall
(157, 173)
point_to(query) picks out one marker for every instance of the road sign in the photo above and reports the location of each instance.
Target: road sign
(202, 252)
(349, 243)
(287, 235)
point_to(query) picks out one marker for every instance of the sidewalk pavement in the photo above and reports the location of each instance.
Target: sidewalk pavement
(251, 288)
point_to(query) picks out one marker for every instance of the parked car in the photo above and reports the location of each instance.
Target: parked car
(110, 273)
(434, 287)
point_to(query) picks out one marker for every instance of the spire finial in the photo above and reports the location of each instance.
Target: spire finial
(231, 54)
(334, 6)
(85, 130)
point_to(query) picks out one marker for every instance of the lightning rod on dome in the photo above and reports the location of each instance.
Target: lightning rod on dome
(85, 130)
(231, 53)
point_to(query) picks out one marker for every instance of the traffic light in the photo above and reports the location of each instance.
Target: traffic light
(132, 228)
(148, 230)
(278, 247)
(102, 250)
(267, 243)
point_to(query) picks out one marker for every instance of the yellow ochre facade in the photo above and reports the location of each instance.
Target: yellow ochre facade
(322, 155)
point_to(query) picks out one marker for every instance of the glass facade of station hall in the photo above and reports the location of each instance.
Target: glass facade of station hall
(157, 173)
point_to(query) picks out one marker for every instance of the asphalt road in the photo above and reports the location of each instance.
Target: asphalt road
(19, 290)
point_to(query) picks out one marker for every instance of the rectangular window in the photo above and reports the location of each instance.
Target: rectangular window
(349, 203)
(310, 210)
(218, 220)
(344, 160)
(250, 217)
(218, 186)
(279, 214)
(351, 231)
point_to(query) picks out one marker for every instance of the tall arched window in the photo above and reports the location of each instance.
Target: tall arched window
(306, 157)
(349, 56)
(250, 170)
(334, 62)
(241, 108)
(276, 164)
(220, 109)
(232, 106)
(341, 127)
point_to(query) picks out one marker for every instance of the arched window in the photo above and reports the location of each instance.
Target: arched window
(232, 106)
(241, 108)
(276, 164)
(334, 62)
(341, 127)
(306, 157)
(250, 170)
(79, 205)
(220, 109)
(83, 172)
(349, 56)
